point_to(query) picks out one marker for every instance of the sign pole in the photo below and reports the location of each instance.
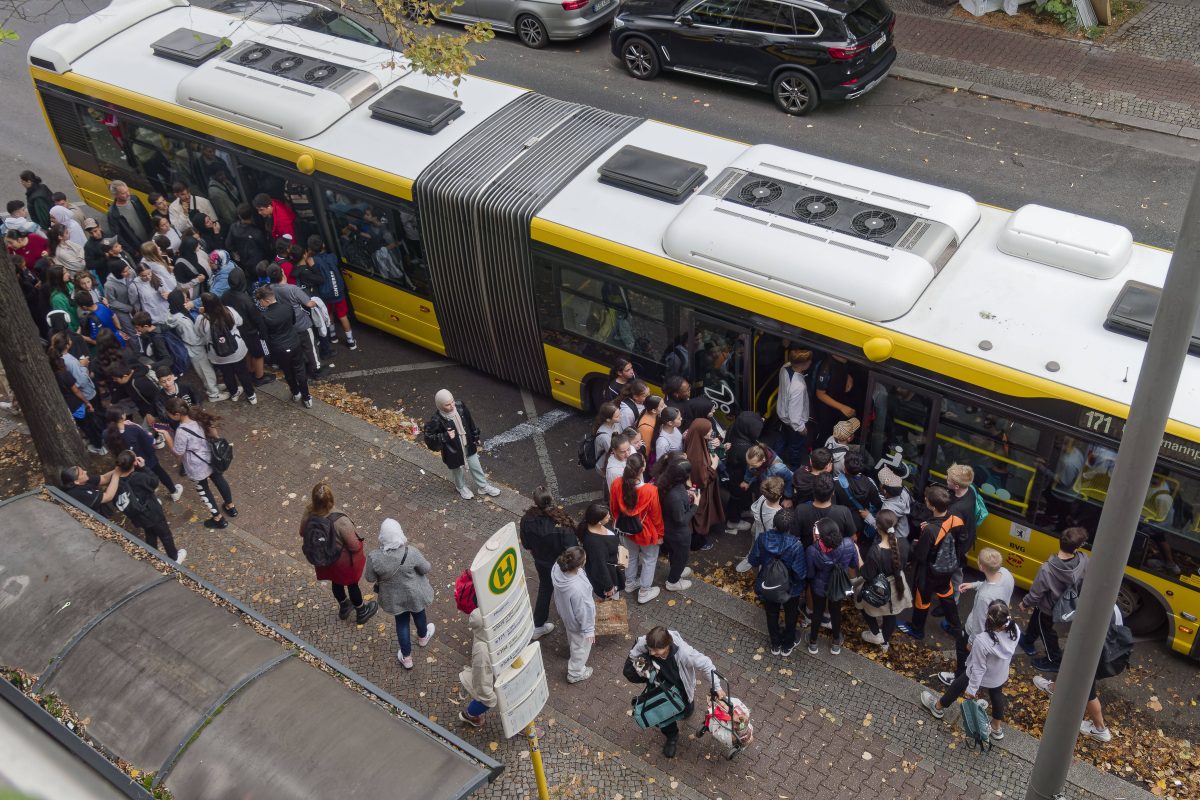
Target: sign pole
(535, 756)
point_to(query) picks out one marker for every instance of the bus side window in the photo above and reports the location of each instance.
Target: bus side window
(1002, 452)
(106, 138)
(163, 159)
(612, 314)
(372, 241)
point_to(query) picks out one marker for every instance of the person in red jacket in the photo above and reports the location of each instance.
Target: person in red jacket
(636, 508)
(28, 247)
(276, 215)
(347, 570)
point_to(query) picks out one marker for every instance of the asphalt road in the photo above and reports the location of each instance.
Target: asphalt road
(998, 152)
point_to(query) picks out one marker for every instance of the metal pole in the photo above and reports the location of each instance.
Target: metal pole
(535, 755)
(1140, 443)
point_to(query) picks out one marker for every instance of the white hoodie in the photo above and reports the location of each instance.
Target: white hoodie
(574, 601)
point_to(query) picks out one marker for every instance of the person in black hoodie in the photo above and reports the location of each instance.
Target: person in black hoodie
(678, 393)
(680, 501)
(820, 462)
(930, 586)
(745, 432)
(253, 328)
(135, 497)
(284, 343)
(546, 531)
(856, 491)
(38, 198)
(246, 241)
(601, 544)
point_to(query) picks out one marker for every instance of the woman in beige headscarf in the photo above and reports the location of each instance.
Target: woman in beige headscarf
(452, 432)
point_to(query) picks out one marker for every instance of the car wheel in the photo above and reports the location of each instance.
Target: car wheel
(532, 32)
(640, 59)
(795, 94)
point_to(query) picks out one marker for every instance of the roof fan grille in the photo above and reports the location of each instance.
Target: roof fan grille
(321, 72)
(816, 207)
(286, 64)
(874, 223)
(761, 193)
(254, 55)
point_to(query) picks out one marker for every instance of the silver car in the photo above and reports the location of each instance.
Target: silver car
(537, 22)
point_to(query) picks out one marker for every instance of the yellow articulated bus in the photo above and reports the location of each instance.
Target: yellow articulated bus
(540, 240)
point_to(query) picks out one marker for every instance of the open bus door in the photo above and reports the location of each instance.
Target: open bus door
(900, 415)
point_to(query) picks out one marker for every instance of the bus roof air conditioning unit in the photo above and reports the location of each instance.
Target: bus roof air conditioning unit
(187, 46)
(416, 110)
(277, 91)
(860, 242)
(1134, 310)
(652, 174)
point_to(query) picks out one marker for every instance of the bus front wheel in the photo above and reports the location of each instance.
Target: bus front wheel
(1142, 612)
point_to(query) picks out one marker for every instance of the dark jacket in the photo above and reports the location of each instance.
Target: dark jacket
(142, 484)
(544, 538)
(248, 245)
(94, 258)
(964, 508)
(601, 567)
(802, 485)
(820, 563)
(860, 490)
(279, 320)
(743, 434)
(771, 544)
(437, 430)
(678, 510)
(155, 349)
(333, 288)
(38, 199)
(924, 554)
(236, 298)
(118, 227)
(878, 561)
(310, 279)
(806, 516)
(685, 411)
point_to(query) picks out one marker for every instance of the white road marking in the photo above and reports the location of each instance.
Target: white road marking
(534, 429)
(364, 373)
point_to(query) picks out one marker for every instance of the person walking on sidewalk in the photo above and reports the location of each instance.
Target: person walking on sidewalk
(997, 584)
(135, 497)
(321, 521)
(399, 573)
(576, 608)
(987, 668)
(477, 677)
(640, 523)
(887, 557)
(777, 595)
(1062, 571)
(121, 434)
(679, 501)
(190, 443)
(665, 653)
(930, 585)
(453, 432)
(546, 532)
(830, 551)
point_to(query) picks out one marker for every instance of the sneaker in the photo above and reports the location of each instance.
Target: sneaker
(542, 630)
(835, 648)
(587, 673)
(160, 441)
(296, 397)
(181, 555)
(776, 650)
(883, 648)
(178, 493)
(646, 595)
(252, 399)
(679, 586)
(687, 573)
(1045, 665)
(908, 630)
(423, 641)
(708, 546)
(1027, 648)
(351, 343)
(743, 565)
(997, 734)
(872, 638)
(308, 403)
(333, 339)
(946, 627)
(826, 623)
(466, 494)
(490, 491)
(1099, 734)
(1045, 684)
(804, 622)
(233, 398)
(474, 722)
(787, 651)
(405, 661)
(264, 380)
(946, 678)
(216, 524)
(812, 648)
(100, 451)
(218, 397)
(929, 700)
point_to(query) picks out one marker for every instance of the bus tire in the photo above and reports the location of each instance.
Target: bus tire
(1143, 612)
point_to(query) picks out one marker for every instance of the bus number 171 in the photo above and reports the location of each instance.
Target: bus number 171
(1100, 423)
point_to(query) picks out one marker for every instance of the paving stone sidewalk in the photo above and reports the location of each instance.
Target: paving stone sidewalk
(840, 725)
(1146, 74)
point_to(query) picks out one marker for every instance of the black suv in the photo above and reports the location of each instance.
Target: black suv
(803, 51)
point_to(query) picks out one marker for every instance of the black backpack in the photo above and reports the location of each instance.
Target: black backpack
(945, 557)
(588, 459)
(322, 546)
(1118, 646)
(222, 341)
(133, 505)
(775, 582)
(432, 434)
(220, 451)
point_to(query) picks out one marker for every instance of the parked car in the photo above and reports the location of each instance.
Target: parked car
(802, 51)
(303, 14)
(537, 22)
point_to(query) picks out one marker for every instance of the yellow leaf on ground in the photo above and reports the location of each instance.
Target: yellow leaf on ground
(493, 746)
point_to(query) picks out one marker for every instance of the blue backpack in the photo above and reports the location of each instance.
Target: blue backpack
(181, 362)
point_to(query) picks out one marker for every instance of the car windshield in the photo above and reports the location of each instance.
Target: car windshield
(866, 19)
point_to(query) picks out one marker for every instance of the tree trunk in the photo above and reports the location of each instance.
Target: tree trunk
(55, 436)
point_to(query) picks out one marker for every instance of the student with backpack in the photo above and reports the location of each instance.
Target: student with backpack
(594, 446)
(220, 328)
(820, 463)
(763, 512)
(135, 498)
(935, 558)
(987, 668)
(192, 443)
(855, 490)
(1062, 571)
(546, 531)
(452, 432)
(832, 562)
(631, 402)
(155, 347)
(782, 568)
(400, 574)
(332, 545)
(121, 434)
(967, 505)
(180, 322)
(284, 343)
(884, 592)
(639, 520)
(668, 436)
(997, 584)
(895, 499)
(576, 608)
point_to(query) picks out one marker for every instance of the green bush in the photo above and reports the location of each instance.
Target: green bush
(1063, 11)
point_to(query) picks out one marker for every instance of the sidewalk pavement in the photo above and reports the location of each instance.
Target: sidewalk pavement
(1145, 75)
(843, 725)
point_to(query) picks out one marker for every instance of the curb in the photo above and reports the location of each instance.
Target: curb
(1089, 112)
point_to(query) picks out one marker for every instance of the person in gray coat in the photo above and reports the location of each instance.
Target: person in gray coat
(399, 572)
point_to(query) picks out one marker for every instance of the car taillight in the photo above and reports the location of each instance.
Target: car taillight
(848, 53)
(574, 5)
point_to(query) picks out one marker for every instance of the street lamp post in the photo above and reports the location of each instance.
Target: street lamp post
(1140, 443)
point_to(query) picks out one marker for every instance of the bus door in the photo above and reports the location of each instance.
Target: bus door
(900, 417)
(295, 190)
(719, 365)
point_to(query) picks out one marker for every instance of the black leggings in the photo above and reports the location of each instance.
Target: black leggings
(784, 637)
(89, 426)
(206, 495)
(231, 374)
(678, 553)
(163, 476)
(356, 598)
(887, 623)
(955, 690)
(292, 364)
(160, 531)
(835, 618)
(541, 608)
